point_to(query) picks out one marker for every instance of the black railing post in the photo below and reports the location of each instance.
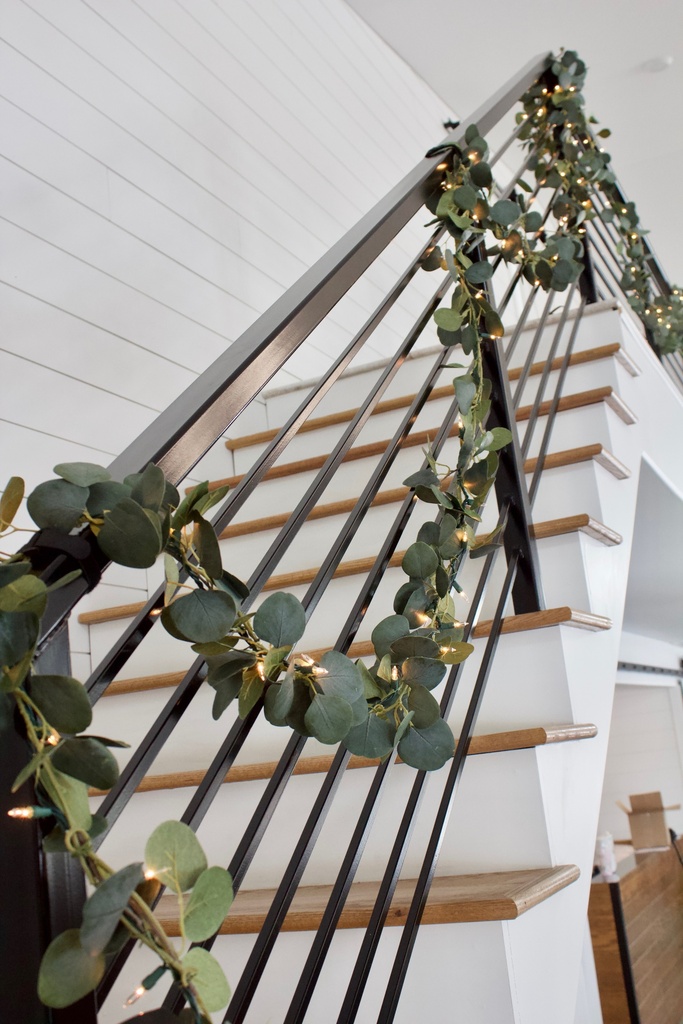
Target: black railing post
(587, 284)
(511, 488)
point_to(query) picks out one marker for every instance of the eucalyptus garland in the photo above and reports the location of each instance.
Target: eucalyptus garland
(570, 158)
(374, 710)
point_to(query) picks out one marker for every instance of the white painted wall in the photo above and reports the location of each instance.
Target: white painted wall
(167, 170)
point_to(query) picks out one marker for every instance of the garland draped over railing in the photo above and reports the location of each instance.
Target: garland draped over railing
(374, 710)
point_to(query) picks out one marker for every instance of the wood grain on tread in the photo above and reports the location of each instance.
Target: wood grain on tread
(540, 620)
(140, 684)
(333, 508)
(589, 355)
(334, 418)
(587, 453)
(581, 400)
(582, 523)
(496, 896)
(403, 401)
(362, 451)
(552, 528)
(517, 739)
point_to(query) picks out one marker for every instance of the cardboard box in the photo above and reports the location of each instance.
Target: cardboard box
(646, 820)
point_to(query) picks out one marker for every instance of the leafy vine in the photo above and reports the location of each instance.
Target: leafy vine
(373, 710)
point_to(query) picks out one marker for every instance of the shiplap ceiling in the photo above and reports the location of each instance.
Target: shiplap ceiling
(466, 51)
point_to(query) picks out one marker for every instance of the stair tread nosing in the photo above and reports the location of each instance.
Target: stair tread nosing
(563, 616)
(582, 523)
(422, 437)
(494, 896)
(446, 391)
(490, 743)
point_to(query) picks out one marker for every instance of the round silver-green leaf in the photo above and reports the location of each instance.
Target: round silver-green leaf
(387, 631)
(86, 759)
(83, 474)
(201, 616)
(67, 971)
(175, 855)
(280, 620)
(129, 537)
(427, 749)
(329, 718)
(206, 974)
(420, 561)
(57, 503)
(63, 701)
(103, 910)
(341, 676)
(208, 905)
(374, 738)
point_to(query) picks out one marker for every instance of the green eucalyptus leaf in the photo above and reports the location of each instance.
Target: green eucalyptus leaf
(202, 615)
(374, 738)
(425, 707)
(533, 221)
(371, 689)
(448, 319)
(465, 392)
(29, 769)
(479, 272)
(280, 620)
(388, 630)
(27, 594)
(465, 197)
(480, 173)
(71, 794)
(68, 971)
(251, 691)
(226, 691)
(493, 323)
(175, 855)
(403, 727)
(278, 701)
(505, 212)
(128, 536)
(57, 503)
(413, 647)
(208, 978)
(296, 716)
(455, 653)
(63, 701)
(340, 677)
(208, 905)
(329, 718)
(83, 474)
(429, 533)
(11, 571)
(238, 590)
(420, 561)
(427, 749)
(103, 496)
(11, 500)
(87, 759)
(103, 910)
(422, 671)
(207, 501)
(442, 581)
(500, 437)
(207, 547)
(148, 487)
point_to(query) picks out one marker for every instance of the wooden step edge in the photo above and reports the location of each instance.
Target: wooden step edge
(586, 453)
(365, 649)
(588, 355)
(491, 743)
(334, 508)
(334, 418)
(362, 451)
(494, 896)
(541, 620)
(582, 523)
(582, 400)
(282, 581)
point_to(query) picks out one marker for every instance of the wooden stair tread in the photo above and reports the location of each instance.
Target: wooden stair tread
(361, 451)
(540, 620)
(446, 391)
(552, 528)
(491, 743)
(494, 896)
(585, 453)
(582, 400)
(575, 401)
(363, 648)
(589, 355)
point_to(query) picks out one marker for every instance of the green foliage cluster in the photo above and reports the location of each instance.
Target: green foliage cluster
(569, 158)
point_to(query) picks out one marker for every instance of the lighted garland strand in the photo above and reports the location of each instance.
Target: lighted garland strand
(570, 159)
(374, 710)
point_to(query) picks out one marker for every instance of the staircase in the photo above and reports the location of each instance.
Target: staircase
(373, 892)
(520, 839)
